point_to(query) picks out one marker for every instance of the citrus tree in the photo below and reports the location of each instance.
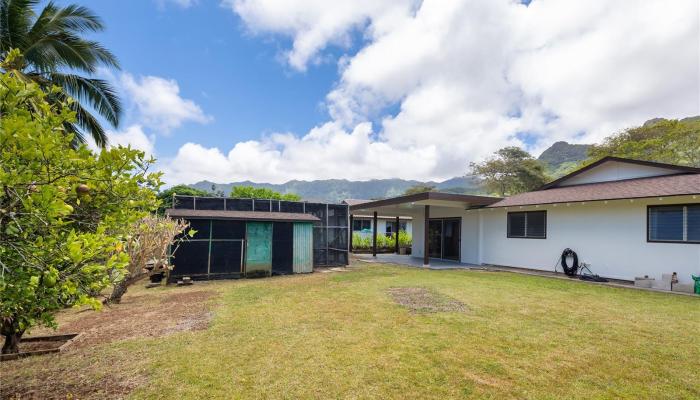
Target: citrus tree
(64, 210)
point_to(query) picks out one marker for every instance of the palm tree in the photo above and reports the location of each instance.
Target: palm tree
(54, 53)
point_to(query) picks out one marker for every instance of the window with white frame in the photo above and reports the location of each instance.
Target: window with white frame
(674, 223)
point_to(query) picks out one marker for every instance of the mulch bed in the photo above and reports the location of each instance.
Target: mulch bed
(422, 300)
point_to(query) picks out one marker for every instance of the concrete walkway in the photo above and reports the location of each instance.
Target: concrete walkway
(414, 261)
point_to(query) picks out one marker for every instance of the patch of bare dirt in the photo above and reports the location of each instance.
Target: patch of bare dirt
(89, 371)
(422, 300)
(143, 316)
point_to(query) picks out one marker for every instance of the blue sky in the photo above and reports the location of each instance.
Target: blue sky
(234, 77)
(274, 90)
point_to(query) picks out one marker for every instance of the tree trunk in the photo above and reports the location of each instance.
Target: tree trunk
(12, 335)
(120, 289)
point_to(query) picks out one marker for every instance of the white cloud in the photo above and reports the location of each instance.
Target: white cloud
(159, 103)
(133, 136)
(468, 77)
(328, 151)
(314, 24)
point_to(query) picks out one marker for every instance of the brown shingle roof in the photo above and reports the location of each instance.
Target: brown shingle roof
(670, 185)
(244, 215)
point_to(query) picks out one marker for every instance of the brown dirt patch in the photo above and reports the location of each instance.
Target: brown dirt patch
(88, 370)
(422, 300)
(143, 316)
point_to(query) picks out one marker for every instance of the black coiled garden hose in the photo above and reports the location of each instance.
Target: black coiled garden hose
(571, 271)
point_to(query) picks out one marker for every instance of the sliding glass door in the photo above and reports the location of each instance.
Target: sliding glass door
(444, 238)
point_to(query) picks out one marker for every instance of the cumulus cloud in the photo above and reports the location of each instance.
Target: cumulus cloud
(133, 136)
(159, 103)
(464, 78)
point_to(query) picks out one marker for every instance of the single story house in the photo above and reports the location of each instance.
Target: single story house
(363, 224)
(625, 218)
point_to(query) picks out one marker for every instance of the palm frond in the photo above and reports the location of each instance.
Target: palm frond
(65, 50)
(89, 124)
(15, 21)
(97, 92)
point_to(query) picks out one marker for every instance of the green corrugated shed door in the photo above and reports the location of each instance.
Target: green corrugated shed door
(258, 256)
(303, 247)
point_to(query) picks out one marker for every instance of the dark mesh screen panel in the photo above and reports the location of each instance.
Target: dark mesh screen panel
(202, 228)
(317, 210)
(320, 257)
(320, 238)
(336, 257)
(262, 205)
(282, 247)
(226, 257)
(183, 202)
(239, 204)
(337, 215)
(338, 238)
(291, 207)
(227, 229)
(191, 258)
(209, 203)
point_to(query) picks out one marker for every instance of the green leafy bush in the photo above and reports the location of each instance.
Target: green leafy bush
(64, 210)
(364, 241)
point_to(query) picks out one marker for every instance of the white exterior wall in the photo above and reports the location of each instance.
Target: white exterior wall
(611, 237)
(615, 171)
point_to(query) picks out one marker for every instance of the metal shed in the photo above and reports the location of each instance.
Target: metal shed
(258, 237)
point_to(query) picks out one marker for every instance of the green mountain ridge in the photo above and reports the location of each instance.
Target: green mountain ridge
(559, 157)
(336, 190)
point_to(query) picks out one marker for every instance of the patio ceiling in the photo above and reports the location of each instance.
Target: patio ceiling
(414, 204)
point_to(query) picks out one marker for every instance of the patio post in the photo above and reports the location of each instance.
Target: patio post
(351, 230)
(396, 245)
(426, 250)
(374, 235)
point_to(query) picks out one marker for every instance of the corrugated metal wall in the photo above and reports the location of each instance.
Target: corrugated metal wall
(303, 247)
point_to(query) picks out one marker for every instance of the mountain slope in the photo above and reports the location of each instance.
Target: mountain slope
(563, 152)
(335, 190)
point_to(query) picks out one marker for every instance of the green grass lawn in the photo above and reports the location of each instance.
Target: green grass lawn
(342, 335)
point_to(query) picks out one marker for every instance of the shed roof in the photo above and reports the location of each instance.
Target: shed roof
(658, 186)
(241, 215)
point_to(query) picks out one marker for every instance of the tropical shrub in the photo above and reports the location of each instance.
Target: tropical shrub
(149, 241)
(64, 211)
(364, 241)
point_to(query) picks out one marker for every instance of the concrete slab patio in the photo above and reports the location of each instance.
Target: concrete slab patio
(411, 261)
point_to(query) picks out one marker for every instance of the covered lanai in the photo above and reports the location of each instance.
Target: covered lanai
(437, 233)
